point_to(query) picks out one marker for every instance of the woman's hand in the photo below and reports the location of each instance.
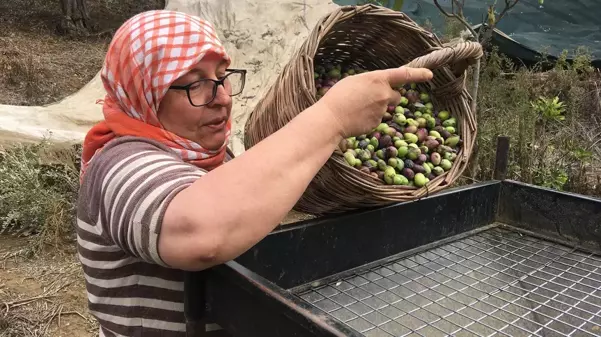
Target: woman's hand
(234, 206)
(357, 103)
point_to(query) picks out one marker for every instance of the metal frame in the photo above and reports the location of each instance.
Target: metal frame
(256, 295)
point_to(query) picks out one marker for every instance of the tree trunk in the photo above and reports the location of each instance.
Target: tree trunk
(76, 17)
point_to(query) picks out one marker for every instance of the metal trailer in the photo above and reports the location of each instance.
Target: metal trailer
(498, 258)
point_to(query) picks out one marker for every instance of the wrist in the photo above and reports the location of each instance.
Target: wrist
(324, 120)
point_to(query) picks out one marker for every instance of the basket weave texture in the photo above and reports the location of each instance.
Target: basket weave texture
(370, 37)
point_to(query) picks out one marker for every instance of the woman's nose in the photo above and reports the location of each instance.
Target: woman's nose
(221, 97)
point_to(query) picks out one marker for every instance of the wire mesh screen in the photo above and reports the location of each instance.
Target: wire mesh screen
(495, 283)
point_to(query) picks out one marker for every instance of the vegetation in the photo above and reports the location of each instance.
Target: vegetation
(38, 192)
(396, 4)
(551, 117)
(76, 18)
(40, 62)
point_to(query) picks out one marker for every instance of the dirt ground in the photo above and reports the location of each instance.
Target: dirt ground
(43, 295)
(38, 65)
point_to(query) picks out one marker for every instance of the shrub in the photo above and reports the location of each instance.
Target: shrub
(38, 191)
(551, 117)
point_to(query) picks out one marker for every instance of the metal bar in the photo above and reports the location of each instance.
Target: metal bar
(502, 158)
(527, 309)
(377, 264)
(472, 305)
(553, 276)
(465, 328)
(194, 303)
(500, 291)
(497, 283)
(564, 294)
(493, 294)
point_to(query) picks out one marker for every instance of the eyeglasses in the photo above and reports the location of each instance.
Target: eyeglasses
(203, 92)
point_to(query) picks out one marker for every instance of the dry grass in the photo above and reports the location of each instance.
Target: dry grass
(37, 65)
(561, 152)
(39, 185)
(44, 296)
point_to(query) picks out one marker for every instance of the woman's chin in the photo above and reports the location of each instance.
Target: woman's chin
(213, 143)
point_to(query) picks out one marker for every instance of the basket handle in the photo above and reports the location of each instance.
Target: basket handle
(459, 57)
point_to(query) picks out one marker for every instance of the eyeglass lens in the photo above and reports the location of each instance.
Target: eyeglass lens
(203, 91)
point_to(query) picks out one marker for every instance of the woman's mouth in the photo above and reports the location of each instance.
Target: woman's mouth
(217, 125)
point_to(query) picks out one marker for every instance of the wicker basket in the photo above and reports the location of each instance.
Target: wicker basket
(371, 37)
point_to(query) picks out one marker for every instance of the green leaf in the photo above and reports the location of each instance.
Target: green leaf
(397, 5)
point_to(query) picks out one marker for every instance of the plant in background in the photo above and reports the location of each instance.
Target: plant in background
(373, 2)
(554, 178)
(38, 192)
(552, 118)
(550, 109)
(396, 5)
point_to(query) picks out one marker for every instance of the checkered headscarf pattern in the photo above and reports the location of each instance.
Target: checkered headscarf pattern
(148, 53)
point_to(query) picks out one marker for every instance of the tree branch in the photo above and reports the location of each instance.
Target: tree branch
(458, 17)
(509, 4)
(443, 11)
(459, 5)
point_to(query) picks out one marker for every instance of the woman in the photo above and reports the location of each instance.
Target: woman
(159, 191)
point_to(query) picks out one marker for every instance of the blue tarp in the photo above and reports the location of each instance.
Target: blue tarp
(529, 28)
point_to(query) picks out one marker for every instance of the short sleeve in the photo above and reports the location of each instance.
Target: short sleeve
(130, 186)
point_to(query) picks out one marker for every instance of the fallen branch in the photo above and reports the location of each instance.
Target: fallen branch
(75, 313)
(55, 313)
(18, 303)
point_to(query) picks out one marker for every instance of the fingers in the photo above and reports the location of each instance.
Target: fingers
(399, 76)
(394, 98)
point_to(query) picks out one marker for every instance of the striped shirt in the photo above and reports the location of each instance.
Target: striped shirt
(122, 199)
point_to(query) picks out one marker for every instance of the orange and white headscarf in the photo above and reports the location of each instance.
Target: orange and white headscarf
(147, 54)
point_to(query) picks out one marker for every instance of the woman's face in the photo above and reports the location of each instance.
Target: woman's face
(205, 125)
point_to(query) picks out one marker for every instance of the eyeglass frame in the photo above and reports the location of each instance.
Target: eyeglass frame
(216, 82)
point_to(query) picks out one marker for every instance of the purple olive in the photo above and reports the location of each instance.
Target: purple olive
(385, 141)
(391, 152)
(408, 173)
(421, 134)
(418, 169)
(395, 126)
(412, 96)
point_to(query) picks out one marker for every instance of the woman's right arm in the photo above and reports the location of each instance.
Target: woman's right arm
(231, 208)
